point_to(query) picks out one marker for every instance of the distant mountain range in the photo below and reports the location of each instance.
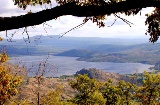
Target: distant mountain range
(55, 44)
(55, 40)
(92, 49)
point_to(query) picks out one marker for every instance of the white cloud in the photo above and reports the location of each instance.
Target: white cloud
(65, 23)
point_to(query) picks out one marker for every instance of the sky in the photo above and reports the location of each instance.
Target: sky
(62, 24)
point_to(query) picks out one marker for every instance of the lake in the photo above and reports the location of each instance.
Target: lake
(61, 65)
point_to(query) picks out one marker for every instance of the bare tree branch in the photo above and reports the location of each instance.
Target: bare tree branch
(126, 21)
(76, 27)
(15, 22)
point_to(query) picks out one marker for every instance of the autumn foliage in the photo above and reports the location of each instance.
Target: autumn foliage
(8, 85)
(92, 92)
(8, 81)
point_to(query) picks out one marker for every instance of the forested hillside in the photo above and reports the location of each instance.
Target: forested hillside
(140, 53)
(100, 75)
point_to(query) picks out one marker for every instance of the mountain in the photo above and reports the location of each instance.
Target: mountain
(54, 44)
(138, 53)
(87, 48)
(76, 53)
(55, 40)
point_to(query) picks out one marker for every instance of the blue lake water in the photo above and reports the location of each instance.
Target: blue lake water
(61, 65)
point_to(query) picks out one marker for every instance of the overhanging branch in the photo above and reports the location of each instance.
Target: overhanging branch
(15, 22)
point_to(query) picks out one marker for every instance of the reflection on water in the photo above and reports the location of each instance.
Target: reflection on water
(60, 65)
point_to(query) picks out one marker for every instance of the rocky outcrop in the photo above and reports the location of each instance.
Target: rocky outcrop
(102, 75)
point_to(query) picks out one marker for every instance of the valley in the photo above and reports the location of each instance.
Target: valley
(70, 54)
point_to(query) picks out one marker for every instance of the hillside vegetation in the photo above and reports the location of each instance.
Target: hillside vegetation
(83, 90)
(86, 87)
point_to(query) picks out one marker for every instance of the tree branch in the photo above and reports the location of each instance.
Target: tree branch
(15, 22)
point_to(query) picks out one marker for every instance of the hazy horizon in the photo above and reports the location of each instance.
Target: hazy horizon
(59, 36)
